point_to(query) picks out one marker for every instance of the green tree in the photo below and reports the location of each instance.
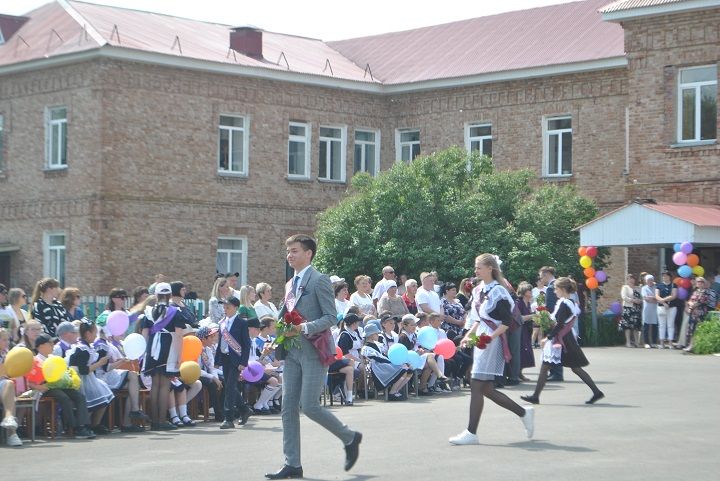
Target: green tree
(440, 211)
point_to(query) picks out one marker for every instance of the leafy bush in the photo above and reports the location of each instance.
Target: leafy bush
(607, 333)
(707, 336)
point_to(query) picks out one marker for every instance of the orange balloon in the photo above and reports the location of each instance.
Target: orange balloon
(693, 260)
(191, 349)
(591, 283)
(677, 280)
(589, 272)
(582, 251)
(338, 353)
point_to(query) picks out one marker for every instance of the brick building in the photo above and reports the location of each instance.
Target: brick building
(133, 143)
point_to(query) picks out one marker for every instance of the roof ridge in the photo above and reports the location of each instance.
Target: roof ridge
(82, 21)
(148, 11)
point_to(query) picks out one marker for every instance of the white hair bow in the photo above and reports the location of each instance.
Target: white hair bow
(497, 259)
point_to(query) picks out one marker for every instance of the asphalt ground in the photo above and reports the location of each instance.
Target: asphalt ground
(660, 420)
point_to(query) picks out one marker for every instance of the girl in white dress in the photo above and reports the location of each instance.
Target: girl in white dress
(491, 314)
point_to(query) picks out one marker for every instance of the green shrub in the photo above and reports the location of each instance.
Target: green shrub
(707, 336)
(607, 333)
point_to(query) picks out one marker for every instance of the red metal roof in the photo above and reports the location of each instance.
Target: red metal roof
(700, 215)
(554, 35)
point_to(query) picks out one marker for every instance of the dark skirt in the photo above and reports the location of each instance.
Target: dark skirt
(572, 355)
(631, 318)
(527, 356)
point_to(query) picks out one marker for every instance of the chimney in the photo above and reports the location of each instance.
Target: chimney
(10, 24)
(247, 41)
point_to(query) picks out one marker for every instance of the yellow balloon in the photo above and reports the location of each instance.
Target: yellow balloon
(586, 261)
(18, 362)
(698, 271)
(54, 368)
(189, 372)
(75, 380)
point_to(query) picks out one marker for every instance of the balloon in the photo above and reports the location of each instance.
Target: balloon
(679, 258)
(582, 251)
(398, 354)
(591, 283)
(134, 346)
(684, 283)
(427, 337)
(338, 353)
(677, 280)
(18, 362)
(676, 247)
(54, 368)
(585, 261)
(414, 359)
(592, 251)
(445, 348)
(340, 316)
(686, 247)
(685, 271)
(189, 372)
(36, 375)
(75, 381)
(191, 348)
(589, 272)
(253, 372)
(616, 308)
(600, 276)
(117, 323)
(682, 293)
(693, 260)
(698, 271)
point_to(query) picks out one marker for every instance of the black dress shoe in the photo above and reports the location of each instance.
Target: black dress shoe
(286, 472)
(530, 399)
(512, 382)
(352, 451)
(596, 397)
(227, 425)
(245, 416)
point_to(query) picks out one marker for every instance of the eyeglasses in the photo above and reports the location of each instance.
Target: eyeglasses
(87, 322)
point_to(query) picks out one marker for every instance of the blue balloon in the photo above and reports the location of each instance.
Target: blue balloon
(398, 354)
(340, 316)
(414, 360)
(685, 271)
(427, 337)
(677, 247)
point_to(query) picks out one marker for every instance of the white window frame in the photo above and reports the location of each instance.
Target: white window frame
(243, 255)
(328, 151)
(697, 86)
(50, 141)
(375, 146)
(480, 138)
(399, 144)
(245, 129)
(48, 269)
(307, 138)
(546, 145)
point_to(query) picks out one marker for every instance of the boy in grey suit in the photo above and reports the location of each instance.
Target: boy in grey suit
(310, 294)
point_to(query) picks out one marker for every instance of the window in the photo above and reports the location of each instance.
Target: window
(367, 151)
(697, 104)
(2, 143)
(407, 144)
(558, 146)
(478, 138)
(299, 151)
(332, 153)
(232, 256)
(233, 149)
(54, 256)
(56, 137)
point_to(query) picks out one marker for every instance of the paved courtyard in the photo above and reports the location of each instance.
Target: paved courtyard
(659, 421)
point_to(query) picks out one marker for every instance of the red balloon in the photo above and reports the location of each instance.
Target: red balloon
(685, 283)
(582, 251)
(592, 251)
(35, 375)
(589, 272)
(338, 353)
(591, 283)
(445, 348)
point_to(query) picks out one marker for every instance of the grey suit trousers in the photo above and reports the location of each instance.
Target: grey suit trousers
(303, 379)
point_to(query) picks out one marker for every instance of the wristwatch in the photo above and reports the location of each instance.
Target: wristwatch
(305, 329)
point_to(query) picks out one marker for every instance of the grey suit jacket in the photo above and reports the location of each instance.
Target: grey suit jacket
(316, 304)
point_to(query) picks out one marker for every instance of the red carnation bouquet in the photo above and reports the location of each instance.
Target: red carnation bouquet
(480, 341)
(542, 318)
(285, 325)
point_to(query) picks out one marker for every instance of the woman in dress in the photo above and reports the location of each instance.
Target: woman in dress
(350, 343)
(525, 304)
(560, 345)
(390, 302)
(45, 306)
(632, 310)
(247, 300)
(454, 320)
(491, 314)
(17, 300)
(697, 307)
(411, 287)
(263, 306)
(218, 295)
(361, 297)
(385, 374)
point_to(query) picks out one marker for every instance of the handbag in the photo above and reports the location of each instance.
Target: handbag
(321, 342)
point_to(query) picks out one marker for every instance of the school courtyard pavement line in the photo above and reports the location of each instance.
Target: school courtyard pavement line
(658, 421)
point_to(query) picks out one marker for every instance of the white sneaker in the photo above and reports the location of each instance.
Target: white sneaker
(9, 422)
(529, 421)
(647, 346)
(464, 438)
(14, 440)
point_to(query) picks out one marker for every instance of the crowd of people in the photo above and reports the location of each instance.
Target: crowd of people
(239, 327)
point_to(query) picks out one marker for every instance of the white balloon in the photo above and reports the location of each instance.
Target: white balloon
(134, 345)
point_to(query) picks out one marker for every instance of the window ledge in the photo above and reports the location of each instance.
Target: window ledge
(232, 175)
(557, 178)
(298, 179)
(699, 143)
(331, 181)
(55, 171)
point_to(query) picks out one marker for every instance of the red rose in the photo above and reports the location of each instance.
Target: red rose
(542, 308)
(293, 317)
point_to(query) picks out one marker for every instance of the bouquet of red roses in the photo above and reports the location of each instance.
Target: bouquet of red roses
(542, 318)
(480, 341)
(285, 325)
